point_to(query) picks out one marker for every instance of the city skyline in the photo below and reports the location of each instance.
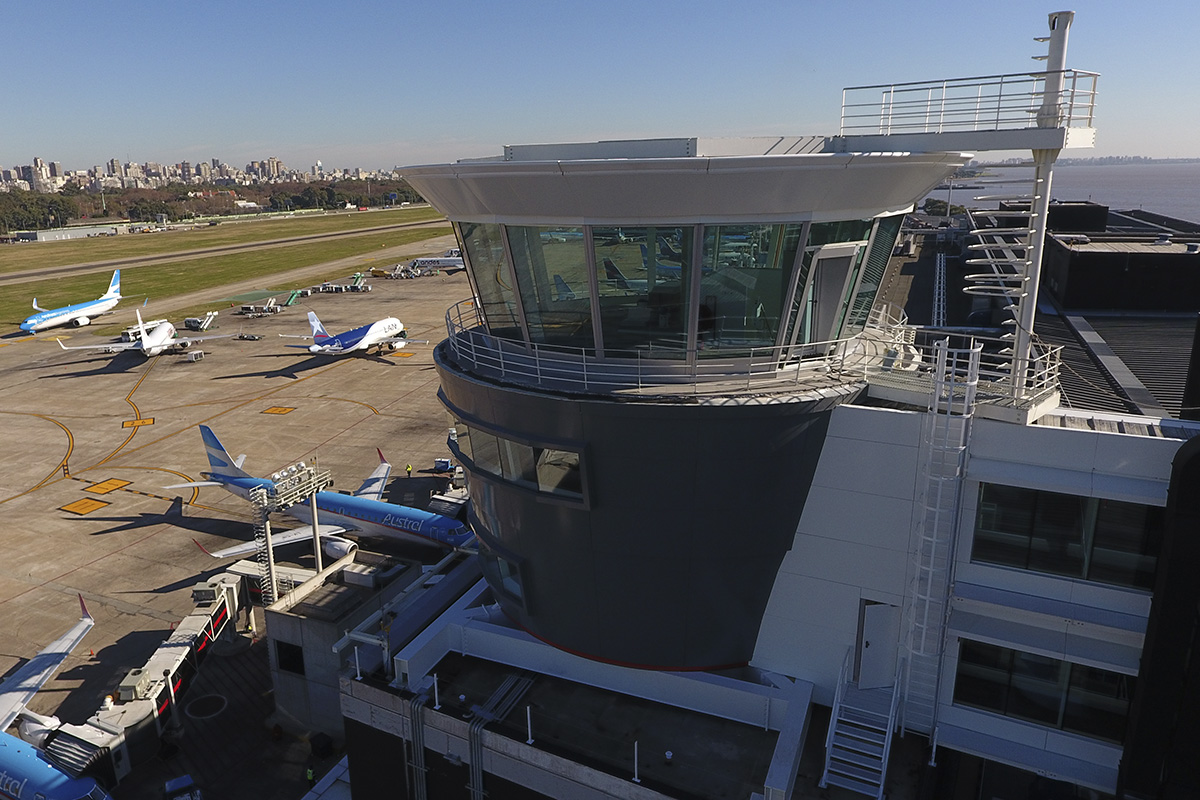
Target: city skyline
(382, 85)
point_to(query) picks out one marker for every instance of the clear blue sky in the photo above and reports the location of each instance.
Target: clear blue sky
(380, 83)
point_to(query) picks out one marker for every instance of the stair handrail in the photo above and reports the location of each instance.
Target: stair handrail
(891, 727)
(843, 679)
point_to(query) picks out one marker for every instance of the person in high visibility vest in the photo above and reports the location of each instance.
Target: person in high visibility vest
(312, 780)
(409, 469)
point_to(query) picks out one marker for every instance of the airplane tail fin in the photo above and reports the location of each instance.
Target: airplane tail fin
(564, 290)
(613, 274)
(114, 286)
(220, 460)
(141, 326)
(319, 333)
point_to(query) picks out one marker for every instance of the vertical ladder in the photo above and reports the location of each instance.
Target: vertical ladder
(939, 291)
(946, 430)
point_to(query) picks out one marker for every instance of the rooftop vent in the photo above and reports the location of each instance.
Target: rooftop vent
(1163, 239)
(1193, 247)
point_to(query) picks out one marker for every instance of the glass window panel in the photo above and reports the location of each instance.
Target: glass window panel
(852, 230)
(1036, 688)
(489, 268)
(743, 286)
(642, 276)
(502, 573)
(1057, 542)
(463, 439)
(552, 278)
(485, 450)
(886, 231)
(518, 462)
(1003, 524)
(1126, 544)
(983, 674)
(558, 472)
(1097, 703)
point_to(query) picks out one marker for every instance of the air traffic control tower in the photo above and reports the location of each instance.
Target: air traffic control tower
(642, 383)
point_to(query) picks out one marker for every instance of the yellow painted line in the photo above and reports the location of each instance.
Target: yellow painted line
(110, 485)
(137, 423)
(85, 506)
(401, 355)
(278, 410)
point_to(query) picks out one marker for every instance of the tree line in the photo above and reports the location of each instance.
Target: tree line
(21, 210)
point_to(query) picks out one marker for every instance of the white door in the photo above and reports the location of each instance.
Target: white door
(877, 643)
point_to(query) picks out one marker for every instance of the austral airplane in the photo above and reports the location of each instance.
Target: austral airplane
(152, 342)
(79, 314)
(363, 512)
(384, 334)
(25, 769)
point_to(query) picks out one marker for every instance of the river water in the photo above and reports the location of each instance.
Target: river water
(1172, 189)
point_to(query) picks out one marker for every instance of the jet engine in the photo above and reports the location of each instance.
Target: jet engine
(79, 322)
(336, 546)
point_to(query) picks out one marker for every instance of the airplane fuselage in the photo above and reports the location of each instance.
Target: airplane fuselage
(371, 518)
(360, 338)
(67, 314)
(26, 773)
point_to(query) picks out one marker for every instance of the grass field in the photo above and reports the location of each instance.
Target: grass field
(167, 280)
(238, 230)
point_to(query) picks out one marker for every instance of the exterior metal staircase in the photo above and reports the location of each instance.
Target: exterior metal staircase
(859, 740)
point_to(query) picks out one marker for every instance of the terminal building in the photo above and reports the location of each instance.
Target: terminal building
(732, 510)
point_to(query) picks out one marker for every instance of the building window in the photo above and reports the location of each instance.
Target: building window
(1107, 541)
(1058, 694)
(289, 657)
(484, 244)
(503, 574)
(552, 277)
(543, 469)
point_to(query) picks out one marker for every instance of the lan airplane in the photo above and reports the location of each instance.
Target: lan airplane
(384, 334)
(363, 512)
(153, 342)
(25, 769)
(79, 314)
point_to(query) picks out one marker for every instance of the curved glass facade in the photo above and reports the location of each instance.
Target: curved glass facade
(687, 292)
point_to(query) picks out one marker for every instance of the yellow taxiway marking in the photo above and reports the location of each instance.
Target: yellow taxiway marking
(278, 410)
(110, 485)
(85, 506)
(401, 355)
(137, 423)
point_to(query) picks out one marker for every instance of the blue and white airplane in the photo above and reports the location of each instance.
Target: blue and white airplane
(363, 512)
(25, 770)
(79, 314)
(384, 334)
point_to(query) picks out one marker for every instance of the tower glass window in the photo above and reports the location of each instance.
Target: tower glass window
(493, 283)
(551, 267)
(743, 286)
(644, 300)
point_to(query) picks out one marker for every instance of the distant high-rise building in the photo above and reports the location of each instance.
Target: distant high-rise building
(185, 171)
(56, 170)
(115, 168)
(318, 168)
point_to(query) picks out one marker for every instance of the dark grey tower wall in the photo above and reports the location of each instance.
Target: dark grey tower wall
(688, 512)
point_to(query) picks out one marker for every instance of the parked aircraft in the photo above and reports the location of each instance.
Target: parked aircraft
(25, 769)
(152, 342)
(384, 334)
(79, 314)
(364, 511)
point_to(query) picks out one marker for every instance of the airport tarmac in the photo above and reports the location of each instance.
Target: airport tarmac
(88, 441)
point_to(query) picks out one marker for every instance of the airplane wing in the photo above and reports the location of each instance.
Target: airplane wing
(185, 341)
(293, 336)
(20, 687)
(372, 487)
(278, 539)
(108, 348)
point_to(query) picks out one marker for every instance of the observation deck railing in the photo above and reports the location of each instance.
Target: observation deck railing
(984, 103)
(887, 350)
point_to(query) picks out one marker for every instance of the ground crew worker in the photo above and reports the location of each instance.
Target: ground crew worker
(312, 781)
(409, 468)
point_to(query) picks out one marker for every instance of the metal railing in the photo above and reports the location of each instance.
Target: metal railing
(989, 102)
(886, 345)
